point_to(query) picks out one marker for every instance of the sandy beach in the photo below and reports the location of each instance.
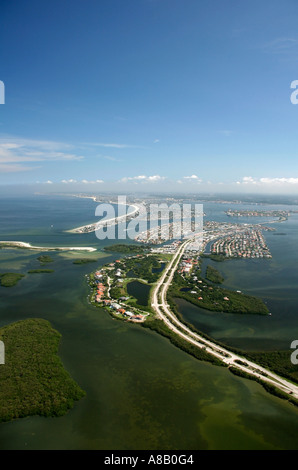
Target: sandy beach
(28, 246)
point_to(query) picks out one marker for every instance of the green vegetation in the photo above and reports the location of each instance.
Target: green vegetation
(216, 257)
(268, 387)
(141, 267)
(33, 380)
(215, 298)
(10, 279)
(37, 271)
(276, 361)
(84, 261)
(160, 327)
(45, 259)
(130, 249)
(213, 275)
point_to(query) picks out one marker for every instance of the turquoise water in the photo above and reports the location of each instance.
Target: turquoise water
(142, 392)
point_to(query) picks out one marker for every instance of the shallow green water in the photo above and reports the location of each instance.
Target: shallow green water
(142, 392)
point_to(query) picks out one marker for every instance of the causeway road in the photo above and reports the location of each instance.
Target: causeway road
(164, 313)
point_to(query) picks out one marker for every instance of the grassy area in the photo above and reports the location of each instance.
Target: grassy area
(33, 380)
(10, 279)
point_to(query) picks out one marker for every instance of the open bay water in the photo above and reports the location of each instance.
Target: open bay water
(274, 280)
(142, 392)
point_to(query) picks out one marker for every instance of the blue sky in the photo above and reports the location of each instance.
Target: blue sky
(149, 95)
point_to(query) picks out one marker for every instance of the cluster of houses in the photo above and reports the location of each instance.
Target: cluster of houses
(119, 309)
(249, 244)
(186, 265)
(100, 297)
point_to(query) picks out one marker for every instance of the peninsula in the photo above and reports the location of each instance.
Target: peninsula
(28, 246)
(109, 290)
(138, 209)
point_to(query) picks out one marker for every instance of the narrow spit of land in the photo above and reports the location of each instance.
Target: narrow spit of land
(28, 246)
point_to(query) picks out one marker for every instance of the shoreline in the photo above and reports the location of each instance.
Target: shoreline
(28, 246)
(113, 221)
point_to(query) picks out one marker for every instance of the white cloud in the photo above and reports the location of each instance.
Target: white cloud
(84, 181)
(268, 181)
(109, 145)
(279, 180)
(69, 181)
(14, 168)
(143, 179)
(155, 178)
(16, 150)
(92, 182)
(192, 178)
(284, 45)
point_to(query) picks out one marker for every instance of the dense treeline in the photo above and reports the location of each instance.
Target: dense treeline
(216, 298)
(213, 275)
(33, 380)
(38, 271)
(268, 387)
(160, 327)
(142, 268)
(122, 248)
(277, 361)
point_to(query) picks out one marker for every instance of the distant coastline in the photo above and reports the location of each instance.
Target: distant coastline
(137, 209)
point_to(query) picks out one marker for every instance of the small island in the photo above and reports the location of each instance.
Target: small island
(10, 279)
(84, 261)
(33, 380)
(45, 259)
(39, 271)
